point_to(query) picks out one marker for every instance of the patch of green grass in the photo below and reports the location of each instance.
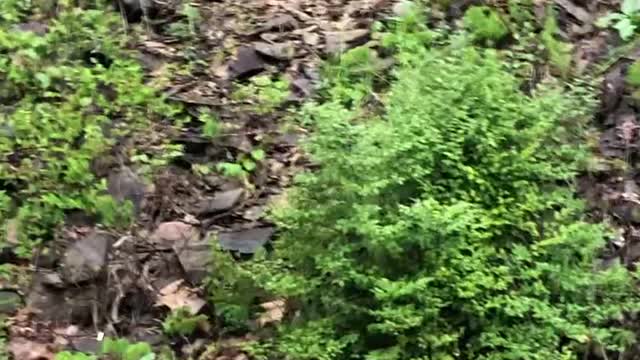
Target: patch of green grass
(62, 109)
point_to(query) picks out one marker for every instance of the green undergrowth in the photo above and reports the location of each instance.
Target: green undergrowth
(443, 225)
(68, 97)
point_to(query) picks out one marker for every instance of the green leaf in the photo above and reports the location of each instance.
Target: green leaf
(608, 19)
(258, 154)
(625, 28)
(43, 79)
(630, 7)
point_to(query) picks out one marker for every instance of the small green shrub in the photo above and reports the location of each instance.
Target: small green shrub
(122, 349)
(558, 52)
(633, 74)
(485, 24)
(265, 93)
(625, 22)
(444, 229)
(182, 322)
(68, 96)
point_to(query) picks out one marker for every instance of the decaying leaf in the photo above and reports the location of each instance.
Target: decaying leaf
(177, 295)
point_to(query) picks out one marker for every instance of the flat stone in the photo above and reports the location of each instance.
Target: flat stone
(280, 22)
(221, 201)
(279, 51)
(85, 344)
(195, 259)
(245, 241)
(43, 299)
(172, 232)
(247, 63)
(10, 301)
(52, 279)
(339, 41)
(85, 259)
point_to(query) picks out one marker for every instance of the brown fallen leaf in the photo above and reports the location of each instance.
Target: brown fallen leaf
(24, 349)
(274, 312)
(177, 295)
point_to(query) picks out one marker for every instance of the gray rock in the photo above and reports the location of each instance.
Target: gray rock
(246, 64)
(52, 279)
(280, 22)
(86, 258)
(126, 185)
(89, 345)
(279, 51)
(339, 41)
(245, 241)
(222, 201)
(10, 301)
(43, 300)
(175, 233)
(195, 259)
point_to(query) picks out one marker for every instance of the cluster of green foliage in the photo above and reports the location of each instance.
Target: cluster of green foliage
(626, 21)
(445, 228)
(558, 52)
(264, 92)
(182, 322)
(485, 24)
(68, 96)
(122, 349)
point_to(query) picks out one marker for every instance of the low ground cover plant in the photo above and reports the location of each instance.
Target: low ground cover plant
(69, 94)
(445, 226)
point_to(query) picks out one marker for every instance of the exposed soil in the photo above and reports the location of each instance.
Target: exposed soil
(90, 282)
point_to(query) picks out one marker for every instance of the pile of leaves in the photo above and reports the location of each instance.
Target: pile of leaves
(444, 228)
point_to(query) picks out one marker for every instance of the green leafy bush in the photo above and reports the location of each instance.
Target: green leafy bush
(182, 322)
(122, 349)
(68, 97)
(444, 228)
(485, 24)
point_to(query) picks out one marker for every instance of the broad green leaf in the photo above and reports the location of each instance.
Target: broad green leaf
(630, 7)
(625, 28)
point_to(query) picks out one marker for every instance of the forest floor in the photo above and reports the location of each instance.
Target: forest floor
(252, 64)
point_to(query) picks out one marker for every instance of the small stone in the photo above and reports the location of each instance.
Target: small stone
(52, 279)
(279, 51)
(86, 258)
(126, 185)
(311, 38)
(89, 345)
(195, 259)
(403, 8)
(246, 64)
(254, 213)
(278, 23)
(168, 233)
(339, 41)
(10, 301)
(245, 241)
(222, 201)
